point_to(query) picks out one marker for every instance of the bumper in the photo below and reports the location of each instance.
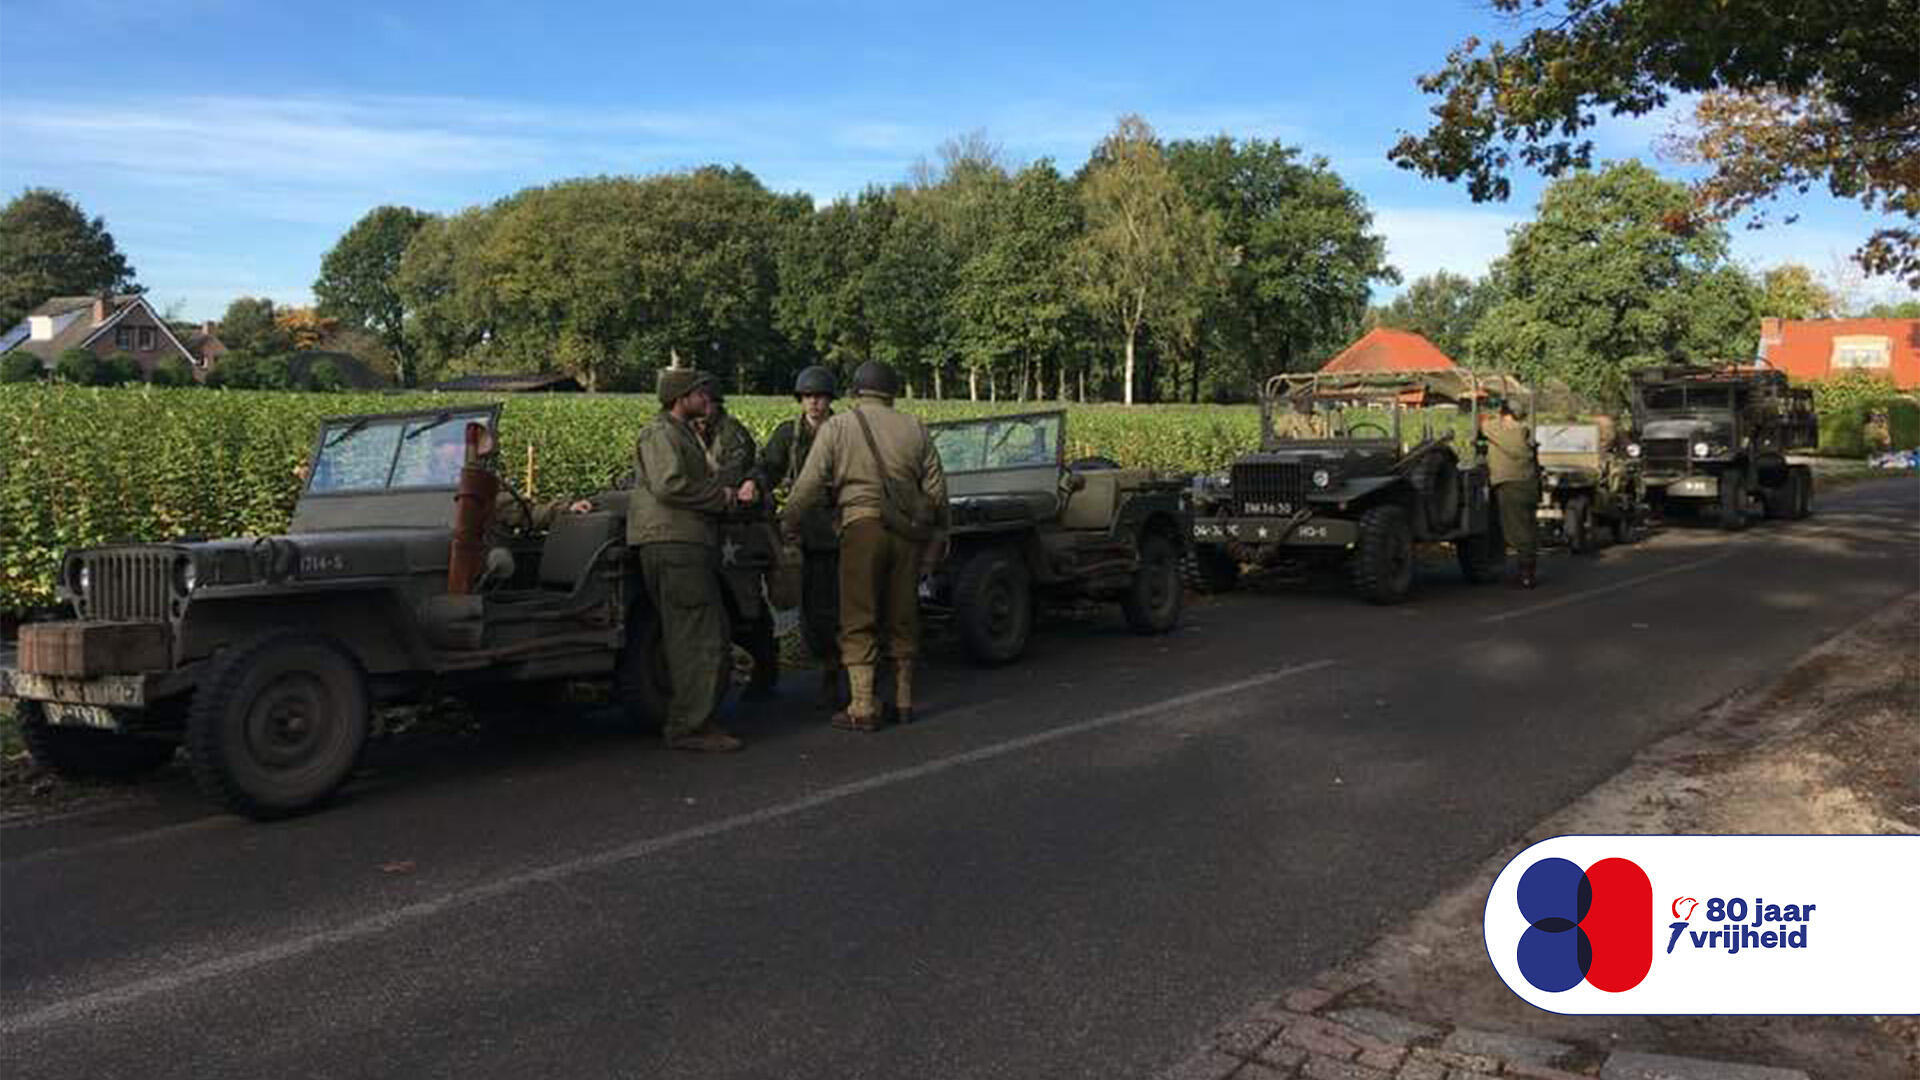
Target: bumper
(110, 691)
(1319, 532)
(1686, 487)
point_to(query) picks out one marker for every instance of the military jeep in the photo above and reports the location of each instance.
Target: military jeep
(266, 657)
(1342, 481)
(1588, 482)
(1027, 528)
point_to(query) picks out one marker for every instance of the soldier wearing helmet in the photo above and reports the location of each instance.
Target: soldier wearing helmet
(780, 464)
(1513, 469)
(880, 469)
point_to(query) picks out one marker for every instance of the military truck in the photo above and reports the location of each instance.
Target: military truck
(1343, 480)
(1588, 484)
(266, 657)
(1720, 437)
(1029, 528)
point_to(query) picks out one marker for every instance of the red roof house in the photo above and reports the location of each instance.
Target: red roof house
(1381, 349)
(1815, 349)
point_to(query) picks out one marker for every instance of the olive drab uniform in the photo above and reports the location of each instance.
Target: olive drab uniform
(780, 463)
(746, 545)
(1513, 470)
(673, 522)
(879, 567)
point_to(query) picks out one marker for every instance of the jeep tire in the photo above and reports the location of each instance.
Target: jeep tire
(278, 724)
(1383, 559)
(993, 605)
(1152, 601)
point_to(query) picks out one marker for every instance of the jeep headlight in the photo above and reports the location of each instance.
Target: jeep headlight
(1701, 449)
(1322, 478)
(1633, 449)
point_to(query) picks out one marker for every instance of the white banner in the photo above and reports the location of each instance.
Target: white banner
(1711, 924)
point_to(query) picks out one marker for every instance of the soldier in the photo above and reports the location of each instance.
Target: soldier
(785, 453)
(746, 543)
(1301, 422)
(881, 469)
(1513, 469)
(673, 523)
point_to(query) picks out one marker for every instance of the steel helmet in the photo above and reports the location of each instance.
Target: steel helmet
(815, 380)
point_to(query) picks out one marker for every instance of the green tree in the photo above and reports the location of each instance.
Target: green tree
(1808, 89)
(357, 282)
(1790, 291)
(119, 369)
(1599, 284)
(80, 367)
(21, 366)
(1904, 309)
(172, 371)
(251, 325)
(48, 248)
(1442, 307)
(1146, 249)
(1302, 256)
(1015, 296)
(823, 259)
(440, 283)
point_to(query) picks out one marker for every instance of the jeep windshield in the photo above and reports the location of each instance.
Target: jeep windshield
(381, 453)
(1568, 439)
(999, 442)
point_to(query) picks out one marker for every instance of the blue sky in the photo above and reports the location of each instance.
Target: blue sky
(229, 143)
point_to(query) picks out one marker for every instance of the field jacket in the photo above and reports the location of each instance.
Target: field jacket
(841, 465)
(677, 496)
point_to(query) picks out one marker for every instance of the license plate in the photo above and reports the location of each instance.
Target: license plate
(1270, 509)
(62, 714)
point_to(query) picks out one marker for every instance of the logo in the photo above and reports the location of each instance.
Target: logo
(1593, 925)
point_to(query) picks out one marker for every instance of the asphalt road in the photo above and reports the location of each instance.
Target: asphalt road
(1074, 867)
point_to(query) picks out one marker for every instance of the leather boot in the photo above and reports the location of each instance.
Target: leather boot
(1528, 579)
(903, 691)
(862, 714)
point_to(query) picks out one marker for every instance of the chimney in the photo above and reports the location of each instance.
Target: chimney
(100, 306)
(210, 328)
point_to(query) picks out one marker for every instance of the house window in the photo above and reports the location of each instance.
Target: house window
(123, 337)
(146, 339)
(1862, 351)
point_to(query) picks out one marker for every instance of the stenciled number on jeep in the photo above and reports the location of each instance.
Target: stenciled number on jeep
(1269, 509)
(322, 564)
(1311, 532)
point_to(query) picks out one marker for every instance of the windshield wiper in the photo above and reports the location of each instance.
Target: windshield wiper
(424, 428)
(351, 430)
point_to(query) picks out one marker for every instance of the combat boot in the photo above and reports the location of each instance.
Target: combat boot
(861, 714)
(902, 707)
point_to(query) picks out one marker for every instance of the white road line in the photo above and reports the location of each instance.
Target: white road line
(250, 959)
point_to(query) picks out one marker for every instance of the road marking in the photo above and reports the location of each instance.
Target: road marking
(250, 959)
(1602, 590)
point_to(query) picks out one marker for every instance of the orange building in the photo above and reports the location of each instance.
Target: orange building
(1815, 349)
(1381, 349)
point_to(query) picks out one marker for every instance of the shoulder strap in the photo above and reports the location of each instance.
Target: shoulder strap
(873, 448)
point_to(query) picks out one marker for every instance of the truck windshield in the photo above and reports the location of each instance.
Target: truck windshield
(377, 453)
(1681, 398)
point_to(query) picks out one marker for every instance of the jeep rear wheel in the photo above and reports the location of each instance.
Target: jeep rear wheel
(87, 753)
(1208, 568)
(1152, 602)
(278, 724)
(1383, 559)
(993, 606)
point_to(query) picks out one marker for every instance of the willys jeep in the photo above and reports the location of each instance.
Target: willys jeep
(1342, 481)
(1028, 528)
(1720, 437)
(1588, 482)
(266, 657)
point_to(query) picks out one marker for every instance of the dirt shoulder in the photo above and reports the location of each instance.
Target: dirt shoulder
(1833, 746)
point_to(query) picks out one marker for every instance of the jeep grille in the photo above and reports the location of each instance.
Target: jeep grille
(135, 586)
(1271, 488)
(1664, 453)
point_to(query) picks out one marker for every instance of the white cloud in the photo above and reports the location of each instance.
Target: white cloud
(1424, 241)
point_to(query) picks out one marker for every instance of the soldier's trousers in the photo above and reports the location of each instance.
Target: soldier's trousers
(682, 582)
(820, 604)
(1519, 505)
(879, 594)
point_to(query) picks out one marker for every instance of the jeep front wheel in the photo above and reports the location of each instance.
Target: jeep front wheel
(1152, 601)
(278, 724)
(1383, 559)
(86, 752)
(993, 606)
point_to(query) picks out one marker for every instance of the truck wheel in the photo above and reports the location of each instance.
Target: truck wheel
(1208, 568)
(1482, 557)
(1579, 524)
(1733, 505)
(85, 752)
(278, 724)
(1152, 602)
(1383, 559)
(993, 606)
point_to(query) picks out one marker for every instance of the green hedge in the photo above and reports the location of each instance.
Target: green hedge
(1846, 402)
